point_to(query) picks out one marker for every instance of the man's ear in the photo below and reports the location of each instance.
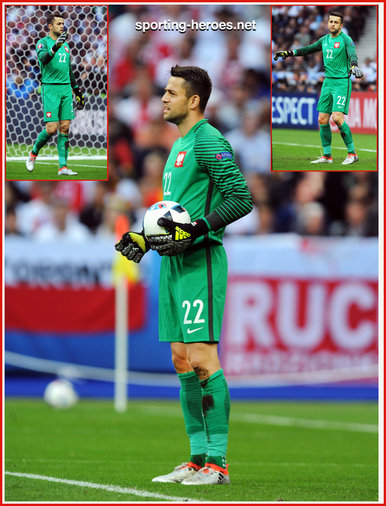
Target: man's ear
(194, 101)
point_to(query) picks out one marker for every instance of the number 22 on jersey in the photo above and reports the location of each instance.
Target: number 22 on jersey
(167, 180)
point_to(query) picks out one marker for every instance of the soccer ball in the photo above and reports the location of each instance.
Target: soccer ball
(60, 394)
(167, 209)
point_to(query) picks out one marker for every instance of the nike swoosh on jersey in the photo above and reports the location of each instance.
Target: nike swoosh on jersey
(194, 330)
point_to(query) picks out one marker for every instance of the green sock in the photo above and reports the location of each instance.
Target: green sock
(62, 146)
(216, 407)
(325, 136)
(42, 139)
(345, 132)
(198, 459)
(191, 403)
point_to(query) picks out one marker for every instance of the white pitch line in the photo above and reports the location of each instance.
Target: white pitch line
(109, 488)
(304, 423)
(312, 146)
(75, 164)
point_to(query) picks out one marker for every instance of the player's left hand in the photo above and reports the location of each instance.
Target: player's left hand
(180, 236)
(79, 98)
(356, 71)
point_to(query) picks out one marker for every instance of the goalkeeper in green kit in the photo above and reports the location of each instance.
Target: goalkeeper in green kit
(58, 83)
(200, 174)
(340, 61)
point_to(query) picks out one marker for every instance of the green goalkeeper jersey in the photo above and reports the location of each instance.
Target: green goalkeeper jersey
(338, 54)
(201, 174)
(58, 70)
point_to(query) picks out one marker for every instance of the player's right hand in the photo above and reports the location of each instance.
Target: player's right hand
(60, 41)
(283, 54)
(133, 246)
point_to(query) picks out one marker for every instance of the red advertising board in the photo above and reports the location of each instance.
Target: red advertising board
(287, 325)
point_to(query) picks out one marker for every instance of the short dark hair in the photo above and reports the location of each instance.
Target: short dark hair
(51, 17)
(197, 82)
(337, 14)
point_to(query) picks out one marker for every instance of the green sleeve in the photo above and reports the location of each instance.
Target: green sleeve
(312, 48)
(43, 52)
(215, 156)
(350, 50)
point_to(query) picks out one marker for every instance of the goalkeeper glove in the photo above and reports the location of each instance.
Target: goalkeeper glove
(179, 238)
(79, 98)
(60, 41)
(356, 71)
(283, 54)
(133, 246)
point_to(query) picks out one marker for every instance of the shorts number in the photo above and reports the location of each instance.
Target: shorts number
(62, 57)
(196, 303)
(341, 100)
(167, 181)
(329, 53)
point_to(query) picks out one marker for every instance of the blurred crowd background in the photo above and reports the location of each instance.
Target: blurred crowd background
(25, 25)
(315, 203)
(299, 26)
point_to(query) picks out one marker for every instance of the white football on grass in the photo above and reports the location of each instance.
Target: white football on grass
(60, 394)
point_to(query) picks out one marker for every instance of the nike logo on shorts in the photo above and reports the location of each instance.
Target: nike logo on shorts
(194, 330)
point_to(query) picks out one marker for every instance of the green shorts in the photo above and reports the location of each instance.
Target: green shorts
(335, 95)
(57, 102)
(192, 295)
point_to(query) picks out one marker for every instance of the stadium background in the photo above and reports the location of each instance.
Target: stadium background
(301, 313)
(296, 82)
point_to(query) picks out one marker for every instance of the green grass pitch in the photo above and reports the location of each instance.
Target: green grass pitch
(278, 451)
(87, 168)
(293, 150)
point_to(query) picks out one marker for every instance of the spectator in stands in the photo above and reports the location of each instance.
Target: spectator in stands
(250, 142)
(64, 226)
(11, 227)
(140, 108)
(32, 215)
(115, 205)
(92, 213)
(312, 220)
(150, 183)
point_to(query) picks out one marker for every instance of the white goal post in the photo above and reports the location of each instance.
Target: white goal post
(87, 28)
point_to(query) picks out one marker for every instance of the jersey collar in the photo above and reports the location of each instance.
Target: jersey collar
(196, 126)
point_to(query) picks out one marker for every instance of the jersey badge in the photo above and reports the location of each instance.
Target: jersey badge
(48, 114)
(223, 155)
(336, 45)
(66, 49)
(180, 159)
(40, 46)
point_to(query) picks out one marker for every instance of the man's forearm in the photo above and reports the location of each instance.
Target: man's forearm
(312, 48)
(47, 57)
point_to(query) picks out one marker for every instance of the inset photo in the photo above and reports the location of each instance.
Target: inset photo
(324, 88)
(56, 92)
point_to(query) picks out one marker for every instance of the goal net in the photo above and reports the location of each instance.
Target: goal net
(87, 27)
